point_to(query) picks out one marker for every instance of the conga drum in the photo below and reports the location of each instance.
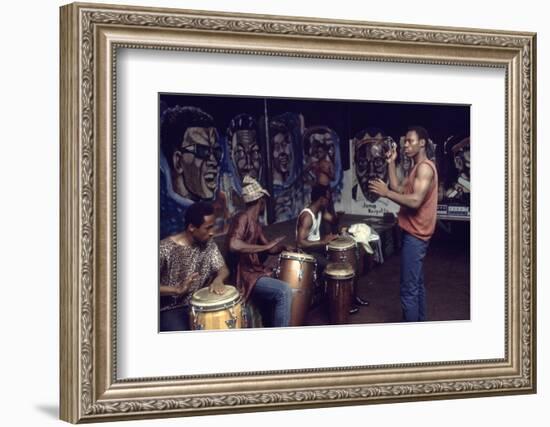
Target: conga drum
(299, 271)
(343, 249)
(213, 311)
(339, 289)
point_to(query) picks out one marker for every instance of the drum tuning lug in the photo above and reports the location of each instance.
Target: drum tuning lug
(315, 271)
(232, 323)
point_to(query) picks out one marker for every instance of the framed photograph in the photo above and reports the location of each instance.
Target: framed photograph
(248, 203)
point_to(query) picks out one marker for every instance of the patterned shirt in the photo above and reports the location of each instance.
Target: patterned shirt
(177, 262)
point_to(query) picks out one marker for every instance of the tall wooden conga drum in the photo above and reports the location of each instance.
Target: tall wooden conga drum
(339, 289)
(343, 249)
(212, 311)
(299, 271)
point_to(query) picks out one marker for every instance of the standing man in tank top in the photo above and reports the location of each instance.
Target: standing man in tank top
(417, 196)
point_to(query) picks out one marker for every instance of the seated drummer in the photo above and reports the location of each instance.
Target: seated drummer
(308, 227)
(308, 236)
(189, 261)
(245, 241)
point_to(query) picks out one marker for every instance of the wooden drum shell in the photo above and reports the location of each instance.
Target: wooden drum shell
(298, 270)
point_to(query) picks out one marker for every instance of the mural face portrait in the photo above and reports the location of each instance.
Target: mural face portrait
(283, 156)
(284, 206)
(191, 147)
(461, 152)
(246, 154)
(198, 160)
(370, 161)
(244, 148)
(321, 144)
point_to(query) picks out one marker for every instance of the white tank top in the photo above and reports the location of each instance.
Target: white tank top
(315, 230)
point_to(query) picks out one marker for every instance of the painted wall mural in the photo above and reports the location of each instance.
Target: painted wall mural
(242, 148)
(285, 137)
(322, 160)
(208, 144)
(190, 164)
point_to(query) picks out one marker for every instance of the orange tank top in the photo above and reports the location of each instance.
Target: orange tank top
(420, 222)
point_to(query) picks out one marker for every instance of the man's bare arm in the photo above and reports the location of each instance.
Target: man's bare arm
(395, 185)
(421, 185)
(237, 245)
(391, 157)
(217, 285)
(305, 223)
(180, 289)
(275, 249)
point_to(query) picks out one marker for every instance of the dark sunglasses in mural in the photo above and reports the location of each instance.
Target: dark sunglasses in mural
(203, 152)
(370, 155)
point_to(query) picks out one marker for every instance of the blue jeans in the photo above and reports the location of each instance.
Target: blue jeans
(413, 294)
(276, 293)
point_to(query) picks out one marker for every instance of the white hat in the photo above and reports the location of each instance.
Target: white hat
(252, 190)
(361, 233)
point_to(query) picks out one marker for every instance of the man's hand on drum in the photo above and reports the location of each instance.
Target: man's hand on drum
(329, 238)
(274, 246)
(217, 287)
(186, 284)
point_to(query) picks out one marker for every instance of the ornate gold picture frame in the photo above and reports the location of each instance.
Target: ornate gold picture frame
(91, 36)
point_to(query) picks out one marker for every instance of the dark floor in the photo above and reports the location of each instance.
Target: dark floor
(446, 271)
(447, 281)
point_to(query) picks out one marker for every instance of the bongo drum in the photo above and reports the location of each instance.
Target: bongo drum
(339, 288)
(299, 271)
(213, 311)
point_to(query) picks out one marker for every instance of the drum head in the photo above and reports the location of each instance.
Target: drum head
(205, 300)
(339, 270)
(297, 256)
(341, 243)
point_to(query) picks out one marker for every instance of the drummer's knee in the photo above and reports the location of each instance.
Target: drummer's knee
(285, 291)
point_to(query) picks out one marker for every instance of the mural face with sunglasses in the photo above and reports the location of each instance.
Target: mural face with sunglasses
(197, 161)
(370, 150)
